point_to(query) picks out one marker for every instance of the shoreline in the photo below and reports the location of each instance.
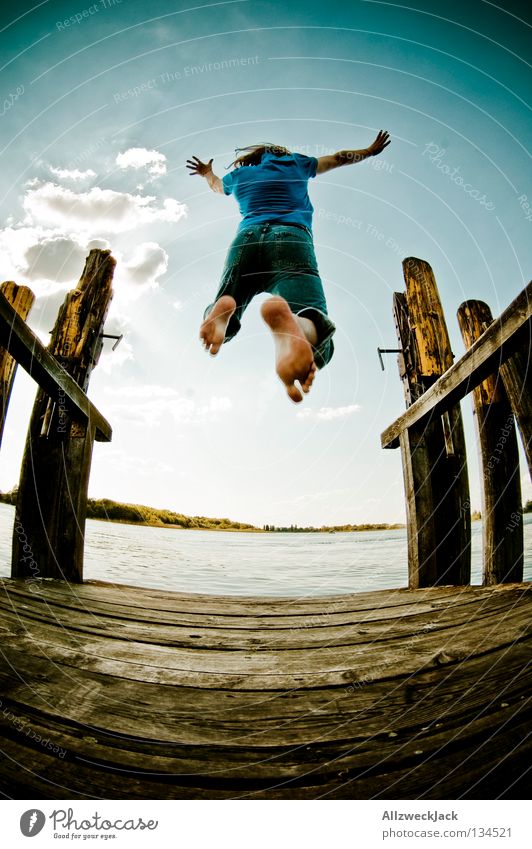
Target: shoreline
(267, 529)
(394, 527)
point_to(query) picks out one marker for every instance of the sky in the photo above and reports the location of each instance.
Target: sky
(103, 103)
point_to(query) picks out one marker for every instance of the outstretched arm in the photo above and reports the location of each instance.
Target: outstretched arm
(205, 170)
(348, 157)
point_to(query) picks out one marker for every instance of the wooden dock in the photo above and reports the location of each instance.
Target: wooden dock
(112, 691)
(400, 694)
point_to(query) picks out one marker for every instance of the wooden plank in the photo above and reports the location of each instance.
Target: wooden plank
(186, 713)
(272, 669)
(511, 332)
(55, 604)
(416, 715)
(177, 717)
(52, 496)
(454, 769)
(27, 349)
(181, 716)
(377, 751)
(21, 299)
(502, 520)
(352, 631)
(238, 608)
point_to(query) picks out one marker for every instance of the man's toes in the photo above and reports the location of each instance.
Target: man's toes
(294, 393)
(307, 383)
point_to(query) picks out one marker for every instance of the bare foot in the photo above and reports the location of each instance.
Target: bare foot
(293, 352)
(212, 331)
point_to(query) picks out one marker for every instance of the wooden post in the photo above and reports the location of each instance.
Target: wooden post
(52, 500)
(21, 299)
(501, 487)
(516, 375)
(433, 456)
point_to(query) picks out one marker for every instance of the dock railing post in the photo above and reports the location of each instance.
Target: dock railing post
(433, 455)
(502, 519)
(52, 497)
(516, 375)
(21, 299)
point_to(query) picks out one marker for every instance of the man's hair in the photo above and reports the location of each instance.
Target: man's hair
(255, 152)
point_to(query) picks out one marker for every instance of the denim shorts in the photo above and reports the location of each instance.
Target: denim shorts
(278, 259)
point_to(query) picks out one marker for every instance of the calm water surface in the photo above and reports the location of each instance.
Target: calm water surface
(248, 564)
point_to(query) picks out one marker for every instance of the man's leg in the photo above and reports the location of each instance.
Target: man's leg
(294, 337)
(212, 331)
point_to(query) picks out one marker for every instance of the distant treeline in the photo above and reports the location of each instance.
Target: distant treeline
(332, 528)
(114, 511)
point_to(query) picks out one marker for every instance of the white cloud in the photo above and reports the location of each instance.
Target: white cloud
(148, 263)
(49, 260)
(328, 413)
(150, 404)
(120, 461)
(58, 257)
(72, 173)
(97, 210)
(140, 157)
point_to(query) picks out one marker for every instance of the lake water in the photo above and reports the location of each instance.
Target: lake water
(276, 564)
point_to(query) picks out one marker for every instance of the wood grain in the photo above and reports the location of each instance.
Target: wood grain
(48, 538)
(510, 332)
(21, 300)
(390, 694)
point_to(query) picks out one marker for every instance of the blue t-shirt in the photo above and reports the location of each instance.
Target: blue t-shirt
(275, 190)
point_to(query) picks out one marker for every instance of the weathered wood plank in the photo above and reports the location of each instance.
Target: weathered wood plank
(235, 609)
(263, 606)
(417, 713)
(295, 635)
(182, 715)
(510, 332)
(272, 669)
(243, 626)
(382, 750)
(52, 495)
(27, 349)
(21, 299)
(461, 766)
(502, 520)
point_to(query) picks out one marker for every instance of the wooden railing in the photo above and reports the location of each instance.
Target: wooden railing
(497, 368)
(49, 530)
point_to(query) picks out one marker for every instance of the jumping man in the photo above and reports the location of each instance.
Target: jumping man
(273, 252)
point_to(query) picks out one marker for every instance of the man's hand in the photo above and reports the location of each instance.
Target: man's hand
(199, 167)
(205, 170)
(350, 157)
(382, 141)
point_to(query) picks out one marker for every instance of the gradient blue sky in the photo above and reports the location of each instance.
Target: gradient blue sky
(450, 82)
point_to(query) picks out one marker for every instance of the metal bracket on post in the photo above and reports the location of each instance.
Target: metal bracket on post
(381, 351)
(112, 336)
